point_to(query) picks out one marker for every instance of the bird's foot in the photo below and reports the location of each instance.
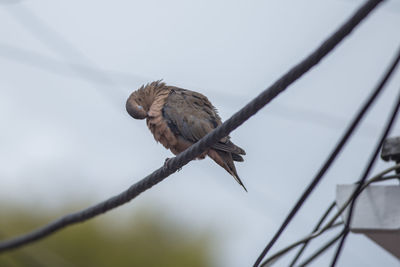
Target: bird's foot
(166, 164)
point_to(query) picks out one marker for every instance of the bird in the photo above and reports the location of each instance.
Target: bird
(178, 118)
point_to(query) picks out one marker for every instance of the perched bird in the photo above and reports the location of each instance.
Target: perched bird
(179, 118)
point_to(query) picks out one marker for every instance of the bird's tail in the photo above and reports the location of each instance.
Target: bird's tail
(224, 159)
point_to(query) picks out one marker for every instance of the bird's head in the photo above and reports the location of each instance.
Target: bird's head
(139, 102)
(136, 106)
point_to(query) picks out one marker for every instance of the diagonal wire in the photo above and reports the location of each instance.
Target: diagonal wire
(372, 160)
(56, 43)
(78, 70)
(355, 19)
(321, 250)
(183, 158)
(10, 2)
(311, 236)
(316, 228)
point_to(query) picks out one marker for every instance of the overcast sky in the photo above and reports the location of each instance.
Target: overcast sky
(67, 67)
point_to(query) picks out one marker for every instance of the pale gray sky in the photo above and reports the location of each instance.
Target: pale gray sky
(67, 67)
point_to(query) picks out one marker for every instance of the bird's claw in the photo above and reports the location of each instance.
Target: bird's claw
(166, 164)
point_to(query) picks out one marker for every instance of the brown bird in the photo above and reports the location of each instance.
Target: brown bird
(179, 118)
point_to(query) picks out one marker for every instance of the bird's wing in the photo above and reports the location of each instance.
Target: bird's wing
(191, 115)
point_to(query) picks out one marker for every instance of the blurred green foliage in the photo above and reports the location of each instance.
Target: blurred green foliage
(146, 240)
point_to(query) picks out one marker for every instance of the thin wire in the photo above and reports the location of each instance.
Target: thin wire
(373, 156)
(354, 20)
(377, 178)
(321, 250)
(211, 138)
(10, 2)
(78, 70)
(95, 75)
(336, 238)
(317, 226)
(55, 42)
(308, 238)
(391, 176)
(371, 162)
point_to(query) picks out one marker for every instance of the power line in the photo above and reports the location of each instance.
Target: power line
(373, 157)
(316, 228)
(346, 28)
(331, 223)
(354, 194)
(380, 85)
(183, 158)
(321, 250)
(304, 240)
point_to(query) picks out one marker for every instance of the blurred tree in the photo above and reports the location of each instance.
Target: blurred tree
(150, 240)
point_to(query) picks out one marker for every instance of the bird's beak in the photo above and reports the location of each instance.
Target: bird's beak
(135, 110)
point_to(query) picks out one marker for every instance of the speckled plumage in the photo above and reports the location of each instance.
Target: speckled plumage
(179, 118)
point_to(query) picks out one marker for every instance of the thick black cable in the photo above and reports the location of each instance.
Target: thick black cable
(372, 159)
(316, 228)
(354, 20)
(223, 130)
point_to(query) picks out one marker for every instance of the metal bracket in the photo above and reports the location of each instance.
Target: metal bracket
(376, 214)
